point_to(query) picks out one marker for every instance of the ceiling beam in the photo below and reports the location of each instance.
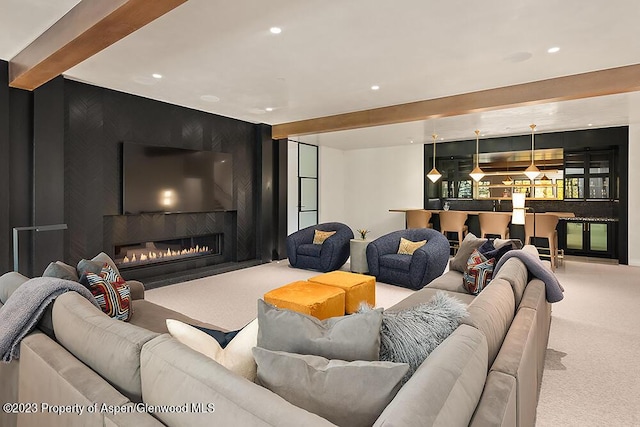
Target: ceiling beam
(596, 83)
(88, 28)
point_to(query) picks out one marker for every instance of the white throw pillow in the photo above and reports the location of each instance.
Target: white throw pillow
(236, 356)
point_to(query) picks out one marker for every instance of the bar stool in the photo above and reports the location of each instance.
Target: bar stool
(453, 222)
(418, 218)
(545, 227)
(494, 223)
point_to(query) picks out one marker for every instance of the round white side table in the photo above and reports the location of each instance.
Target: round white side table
(358, 248)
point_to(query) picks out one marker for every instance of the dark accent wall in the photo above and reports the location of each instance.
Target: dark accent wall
(5, 162)
(48, 167)
(98, 120)
(16, 137)
(616, 138)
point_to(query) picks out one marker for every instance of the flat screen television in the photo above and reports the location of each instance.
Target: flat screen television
(170, 180)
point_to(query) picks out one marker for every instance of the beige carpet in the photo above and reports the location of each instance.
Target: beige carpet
(229, 300)
(592, 373)
(592, 369)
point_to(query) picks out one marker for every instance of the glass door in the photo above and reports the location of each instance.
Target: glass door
(307, 185)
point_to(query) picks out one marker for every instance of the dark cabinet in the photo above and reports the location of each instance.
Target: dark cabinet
(589, 238)
(589, 175)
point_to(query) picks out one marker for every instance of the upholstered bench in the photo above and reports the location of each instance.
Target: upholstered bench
(358, 287)
(314, 299)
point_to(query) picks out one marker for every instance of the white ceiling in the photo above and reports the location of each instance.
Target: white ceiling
(331, 52)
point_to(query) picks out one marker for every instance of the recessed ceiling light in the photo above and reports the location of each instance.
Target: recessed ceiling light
(375, 87)
(268, 109)
(590, 124)
(156, 76)
(275, 30)
(209, 98)
(553, 49)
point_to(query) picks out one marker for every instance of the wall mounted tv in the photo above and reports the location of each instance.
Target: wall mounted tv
(169, 180)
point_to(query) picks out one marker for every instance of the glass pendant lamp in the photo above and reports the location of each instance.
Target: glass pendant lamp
(532, 171)
(433, 174)
(477, 173)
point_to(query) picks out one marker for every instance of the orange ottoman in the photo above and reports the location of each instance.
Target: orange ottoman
(358, 287)
(316, 300)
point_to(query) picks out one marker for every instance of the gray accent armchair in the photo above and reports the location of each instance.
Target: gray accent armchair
(329, 256)
(410, 271)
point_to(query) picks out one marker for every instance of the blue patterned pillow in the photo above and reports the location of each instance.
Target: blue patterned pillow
(479, 272)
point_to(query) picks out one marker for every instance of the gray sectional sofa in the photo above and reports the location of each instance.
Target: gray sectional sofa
(487, 373)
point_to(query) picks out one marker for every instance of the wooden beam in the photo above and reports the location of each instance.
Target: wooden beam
(578, 86)
(92, 25)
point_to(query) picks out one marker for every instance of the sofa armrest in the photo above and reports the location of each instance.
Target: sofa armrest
(497, 406)
(50, 374)
(136, 288)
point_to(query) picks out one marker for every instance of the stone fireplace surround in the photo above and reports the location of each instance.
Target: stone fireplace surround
(121, 230)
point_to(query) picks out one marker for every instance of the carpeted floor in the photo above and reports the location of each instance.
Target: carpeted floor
(229, 300)
(592, 374)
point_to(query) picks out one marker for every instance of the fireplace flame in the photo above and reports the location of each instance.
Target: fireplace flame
(151, 255)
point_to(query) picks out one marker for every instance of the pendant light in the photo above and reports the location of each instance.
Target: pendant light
(532, 171)
(477, 173)
(433, 174)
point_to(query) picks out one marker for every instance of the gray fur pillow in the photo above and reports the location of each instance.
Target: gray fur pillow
(410, 335)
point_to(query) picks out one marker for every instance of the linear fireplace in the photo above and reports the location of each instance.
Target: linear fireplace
(162, 251)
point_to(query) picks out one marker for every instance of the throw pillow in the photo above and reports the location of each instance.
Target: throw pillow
(408, 247)
(489, 250)
(459, 261)
(320, 236)
(236, 356)
(89, 266)
(61, 271)
(410, 335)
(223, 338)
(111, 293)
(345, 393)
(479, 272)
(351, 337)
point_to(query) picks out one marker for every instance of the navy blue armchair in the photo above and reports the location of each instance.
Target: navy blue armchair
(329, 256)
(410, 271)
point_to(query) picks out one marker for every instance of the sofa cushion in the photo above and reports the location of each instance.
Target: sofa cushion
(425, 294)
(459, 261)
(515, 272)
(154, 317)
(108, 346)
(309, 249)
(345, 393)
(395, 261)
(320, 236)
(410, 335)
(61, 270)
(9, 282)
(88, 266)
(492, 312)
(408, 247)
(479, 272)
(445, 389)
(236, 356)
(452, 281)
(173, 374)
(351, 337)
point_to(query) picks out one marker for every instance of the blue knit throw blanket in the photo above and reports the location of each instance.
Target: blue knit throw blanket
(553, 288)
(25, 307)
